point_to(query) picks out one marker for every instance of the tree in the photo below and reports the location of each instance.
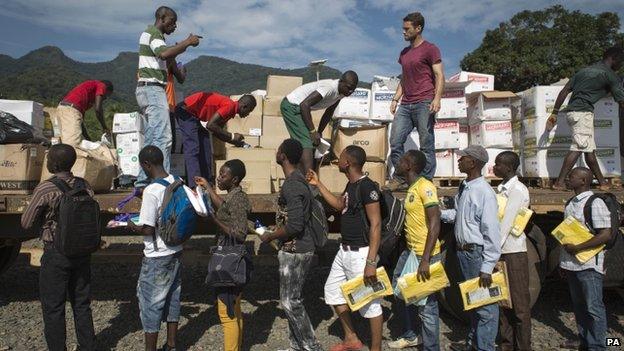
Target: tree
(541, 47)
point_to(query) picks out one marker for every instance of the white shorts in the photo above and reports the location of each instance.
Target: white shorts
(347, 265)
(582, 124)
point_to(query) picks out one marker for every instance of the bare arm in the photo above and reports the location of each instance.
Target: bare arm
(438, 71)
(306, 114)
(172, 51)
(397, 96)
(99, 112)
(433, 225)
(327, 115)
(215, 126)
(144, 230)
(563, 94)
(373, 213)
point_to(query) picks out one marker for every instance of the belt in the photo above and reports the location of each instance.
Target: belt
(467, 247)
(65, 103)
(346, 247)
(149, 84)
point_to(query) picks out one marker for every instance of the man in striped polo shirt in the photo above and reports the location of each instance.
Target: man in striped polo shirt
(150, 93)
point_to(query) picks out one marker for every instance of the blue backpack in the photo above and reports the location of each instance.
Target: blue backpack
(177, 219)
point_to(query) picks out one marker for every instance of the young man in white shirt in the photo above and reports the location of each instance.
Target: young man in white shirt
(515, 323)
(297, 106)
(159, 285)
(585, 279)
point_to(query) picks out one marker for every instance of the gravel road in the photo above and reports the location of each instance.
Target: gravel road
(118, 327)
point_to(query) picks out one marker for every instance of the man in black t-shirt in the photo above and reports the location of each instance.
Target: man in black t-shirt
(358, 251)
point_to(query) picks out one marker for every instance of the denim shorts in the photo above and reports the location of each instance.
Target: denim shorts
(158, 291)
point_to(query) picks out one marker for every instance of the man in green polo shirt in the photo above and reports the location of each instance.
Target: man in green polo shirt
(587, 86)
(152, 80)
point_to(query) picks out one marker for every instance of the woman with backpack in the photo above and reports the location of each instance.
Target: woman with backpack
(231, 220)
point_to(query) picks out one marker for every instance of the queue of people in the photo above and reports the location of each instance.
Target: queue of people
(481, 238)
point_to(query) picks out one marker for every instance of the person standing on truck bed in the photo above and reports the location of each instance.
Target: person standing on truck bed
(515, 323)
(587, 86)
(296, 108)
(71, 110)
(217, 110)
(60, 276)
(152, 80)
(585, 279)
(478, 243)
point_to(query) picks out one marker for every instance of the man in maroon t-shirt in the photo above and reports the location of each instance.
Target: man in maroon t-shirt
(71, 109)
(420, 91)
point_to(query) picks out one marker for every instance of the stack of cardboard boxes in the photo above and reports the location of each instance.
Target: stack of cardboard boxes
(128, 131)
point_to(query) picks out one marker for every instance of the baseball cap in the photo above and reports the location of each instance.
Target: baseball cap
(475, 151)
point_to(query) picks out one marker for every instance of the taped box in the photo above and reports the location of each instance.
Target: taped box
(20, 167)
(453, 103)
(493, 105)
(444, 163)
(534, 132)
(496, 134)
(129, 143)
(356, 106)
(478, 81)
(606, 108)
(272, 105)
(609, 161)
(380, 105)
(129, 165)
(275, 132)
(544, 163)
(540, 100)
(446, 134)
(282, 85)
(371, 139)
(258, 177)
(128, 122)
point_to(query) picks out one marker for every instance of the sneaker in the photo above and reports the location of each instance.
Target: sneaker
(402, 343)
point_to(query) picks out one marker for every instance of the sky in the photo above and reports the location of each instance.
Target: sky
(363, 35)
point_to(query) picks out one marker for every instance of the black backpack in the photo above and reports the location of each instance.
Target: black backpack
(78, 231)
(318, 220)
(616, 215)
(392, 221)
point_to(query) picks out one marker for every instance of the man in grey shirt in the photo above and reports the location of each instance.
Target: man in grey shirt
(477, 235)
(297, 245)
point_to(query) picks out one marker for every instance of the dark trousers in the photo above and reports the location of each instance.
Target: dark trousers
(515, 324)
(197, 145)
(62, 278)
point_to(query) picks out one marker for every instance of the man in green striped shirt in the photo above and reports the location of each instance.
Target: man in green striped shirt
(152, 80)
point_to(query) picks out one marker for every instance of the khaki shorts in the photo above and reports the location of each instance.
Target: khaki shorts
(582, 125)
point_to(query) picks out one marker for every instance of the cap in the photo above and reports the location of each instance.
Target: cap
(475, 151)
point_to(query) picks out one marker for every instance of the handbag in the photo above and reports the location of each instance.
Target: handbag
(230, 265)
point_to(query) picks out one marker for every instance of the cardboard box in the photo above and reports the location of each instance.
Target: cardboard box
(493, 105)
(97, 167)
(517, 134)
(446, 134)
(250, 125)
(464, 135)
(129, 165)
(275, 132)
(534, 132)
(495, 134)
(606, 108)
(380, 105)
(258, 178)
(336, 182)
(129, 143)
(453, 103)
(540, 100)
(371, 139)
(282, 85)
(253, 154)
(609, 160)
(178, 165)
(128, 122)
(272, 105)
(356, 106)
(607, 131)
(543, 163)
(20, 167)
(478, 81)
(444, 163)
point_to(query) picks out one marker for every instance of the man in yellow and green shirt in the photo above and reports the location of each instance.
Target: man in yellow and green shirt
(422, 227)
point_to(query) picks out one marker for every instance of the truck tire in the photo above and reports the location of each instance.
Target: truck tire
(450, 298)
(8, 254)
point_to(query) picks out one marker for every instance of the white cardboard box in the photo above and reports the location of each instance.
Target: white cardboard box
(493, 105)
(478, 81)
(540, 100)
(129, 165)
(453, 103)
(606, 108)
(444, 163)
(380, 105)
(492, 134)
(356, 106)
(128, 122)
(534, 132)
(446, 134)
(464, 135)
(609, 161)
(543, 163)
(129, 143)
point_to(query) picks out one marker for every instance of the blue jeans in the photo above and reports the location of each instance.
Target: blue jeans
(197, 144)
(428, 321)
(589, 310)
(153, 105)
(158, 291)
(406, 119)
(483, 320)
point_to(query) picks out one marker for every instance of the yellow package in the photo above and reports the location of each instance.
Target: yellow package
(358, 294)
(502, 204)
(475, 296)
(521, 221)
(413, 290)
(571, 231)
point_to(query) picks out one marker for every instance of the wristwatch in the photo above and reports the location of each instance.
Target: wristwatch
(372, 263)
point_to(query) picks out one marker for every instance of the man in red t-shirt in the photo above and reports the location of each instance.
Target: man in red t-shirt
(420, 91)
(71, 109)
(215, 109)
